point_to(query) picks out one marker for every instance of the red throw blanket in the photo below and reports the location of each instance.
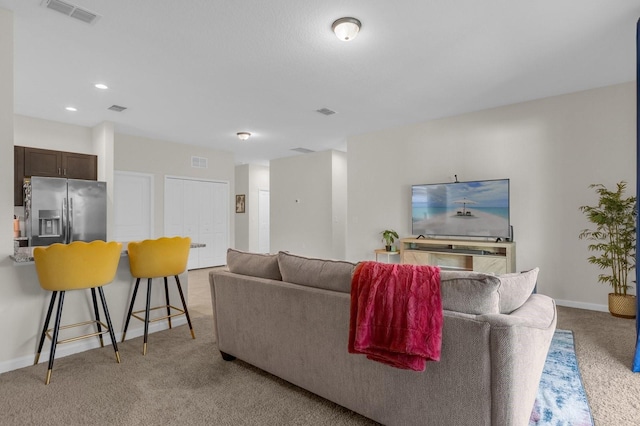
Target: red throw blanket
(396, 314)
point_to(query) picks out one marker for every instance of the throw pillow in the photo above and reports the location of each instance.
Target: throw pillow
(515, 289)
(254, 264)
(320, 273)
(470, 292)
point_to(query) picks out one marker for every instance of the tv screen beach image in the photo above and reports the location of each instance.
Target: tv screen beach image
(472, 209)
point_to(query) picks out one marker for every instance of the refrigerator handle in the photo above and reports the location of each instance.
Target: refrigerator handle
(70, 220)
(64, 220)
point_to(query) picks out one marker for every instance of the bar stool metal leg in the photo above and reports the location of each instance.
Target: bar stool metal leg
(97, 315)
(146, 316)
(108, 318)
(133, 300)
(54, 338)
(166, 297)
(46, 325)
(184, 306)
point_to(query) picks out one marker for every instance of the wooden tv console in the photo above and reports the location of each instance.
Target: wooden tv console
(463, 255)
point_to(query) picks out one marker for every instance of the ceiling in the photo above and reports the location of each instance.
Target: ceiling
(199, 71)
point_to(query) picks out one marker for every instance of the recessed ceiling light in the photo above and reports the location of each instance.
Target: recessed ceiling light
(101, 86)
(72, 109)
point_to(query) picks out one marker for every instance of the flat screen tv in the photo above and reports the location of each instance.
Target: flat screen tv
(461, 209)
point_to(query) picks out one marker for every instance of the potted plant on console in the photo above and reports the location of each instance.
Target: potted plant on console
(389, 236)
(614, 238)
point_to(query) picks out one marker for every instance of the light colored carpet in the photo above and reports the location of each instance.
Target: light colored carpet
(179, 381)
(605, 349)
(185, 381)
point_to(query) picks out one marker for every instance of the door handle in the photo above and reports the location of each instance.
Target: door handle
(70, 220)
(64, 220)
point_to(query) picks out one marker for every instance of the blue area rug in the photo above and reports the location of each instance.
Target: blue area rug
(561, 399)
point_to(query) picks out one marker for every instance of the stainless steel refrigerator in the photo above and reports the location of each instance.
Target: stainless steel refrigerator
(59, 210)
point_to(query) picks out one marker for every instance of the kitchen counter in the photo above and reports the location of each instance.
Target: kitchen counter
(25, 254)
(25, 302)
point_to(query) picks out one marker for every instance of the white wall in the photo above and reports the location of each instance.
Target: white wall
(6, 133)
(303, 203)
(242, 219)
(102, 138)
(14, 299)
(339, 204)
(45, 134)
(552, 149)
(160, 158)
(258, 179)
(250, 179)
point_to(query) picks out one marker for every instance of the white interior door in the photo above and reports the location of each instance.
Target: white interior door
(205, 209)
(132, 202)
(263, 221)
(220, 223)
(199, 209)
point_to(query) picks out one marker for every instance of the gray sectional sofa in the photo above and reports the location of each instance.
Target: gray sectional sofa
(289, 315)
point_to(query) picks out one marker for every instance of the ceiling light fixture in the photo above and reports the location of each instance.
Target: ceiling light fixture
(243, 136)
(101, 86)
(346, 29)
(72, 109)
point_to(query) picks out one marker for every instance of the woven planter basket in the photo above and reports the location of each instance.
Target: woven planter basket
(622, 306)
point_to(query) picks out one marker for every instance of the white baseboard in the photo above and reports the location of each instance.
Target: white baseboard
(581, 305)
(84, 345)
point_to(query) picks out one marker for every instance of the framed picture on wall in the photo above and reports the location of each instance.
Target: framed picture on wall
(239, 203)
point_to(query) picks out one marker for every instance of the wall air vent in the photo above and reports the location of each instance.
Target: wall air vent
(117, 108)
(325, 111)
(302, 150)
(199, 162)
(71, 10)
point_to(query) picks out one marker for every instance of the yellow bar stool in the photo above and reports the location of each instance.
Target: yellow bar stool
(76, 266)
(163, 257)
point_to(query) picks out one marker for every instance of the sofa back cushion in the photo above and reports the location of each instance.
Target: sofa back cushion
(254, 264)
(470, 292)
(515, 289)
(327, 274)
(477, 293)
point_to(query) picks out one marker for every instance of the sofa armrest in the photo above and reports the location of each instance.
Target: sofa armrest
(539, 311)
(519, 345)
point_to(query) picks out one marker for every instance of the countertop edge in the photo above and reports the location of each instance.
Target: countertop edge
(29, 259)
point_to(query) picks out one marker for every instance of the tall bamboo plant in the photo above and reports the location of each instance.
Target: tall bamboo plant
(614, 236)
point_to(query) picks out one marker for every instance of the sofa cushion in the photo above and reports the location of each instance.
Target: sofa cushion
(515, 289)
(254, 264)
(327, 274)
(470, 292)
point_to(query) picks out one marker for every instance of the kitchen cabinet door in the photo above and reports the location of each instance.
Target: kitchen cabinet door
(42, 162)
(18, 175)
(79, 166)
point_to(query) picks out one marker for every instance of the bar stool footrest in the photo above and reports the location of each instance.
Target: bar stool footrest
(84, 336)
(141, 318)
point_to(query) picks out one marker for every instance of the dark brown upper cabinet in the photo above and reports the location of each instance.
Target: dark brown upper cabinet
(44, 162)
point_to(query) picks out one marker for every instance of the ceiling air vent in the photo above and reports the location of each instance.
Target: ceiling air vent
(117, 108)
(302, 150)
(199, 162)
(325, 111)
(71, 10)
